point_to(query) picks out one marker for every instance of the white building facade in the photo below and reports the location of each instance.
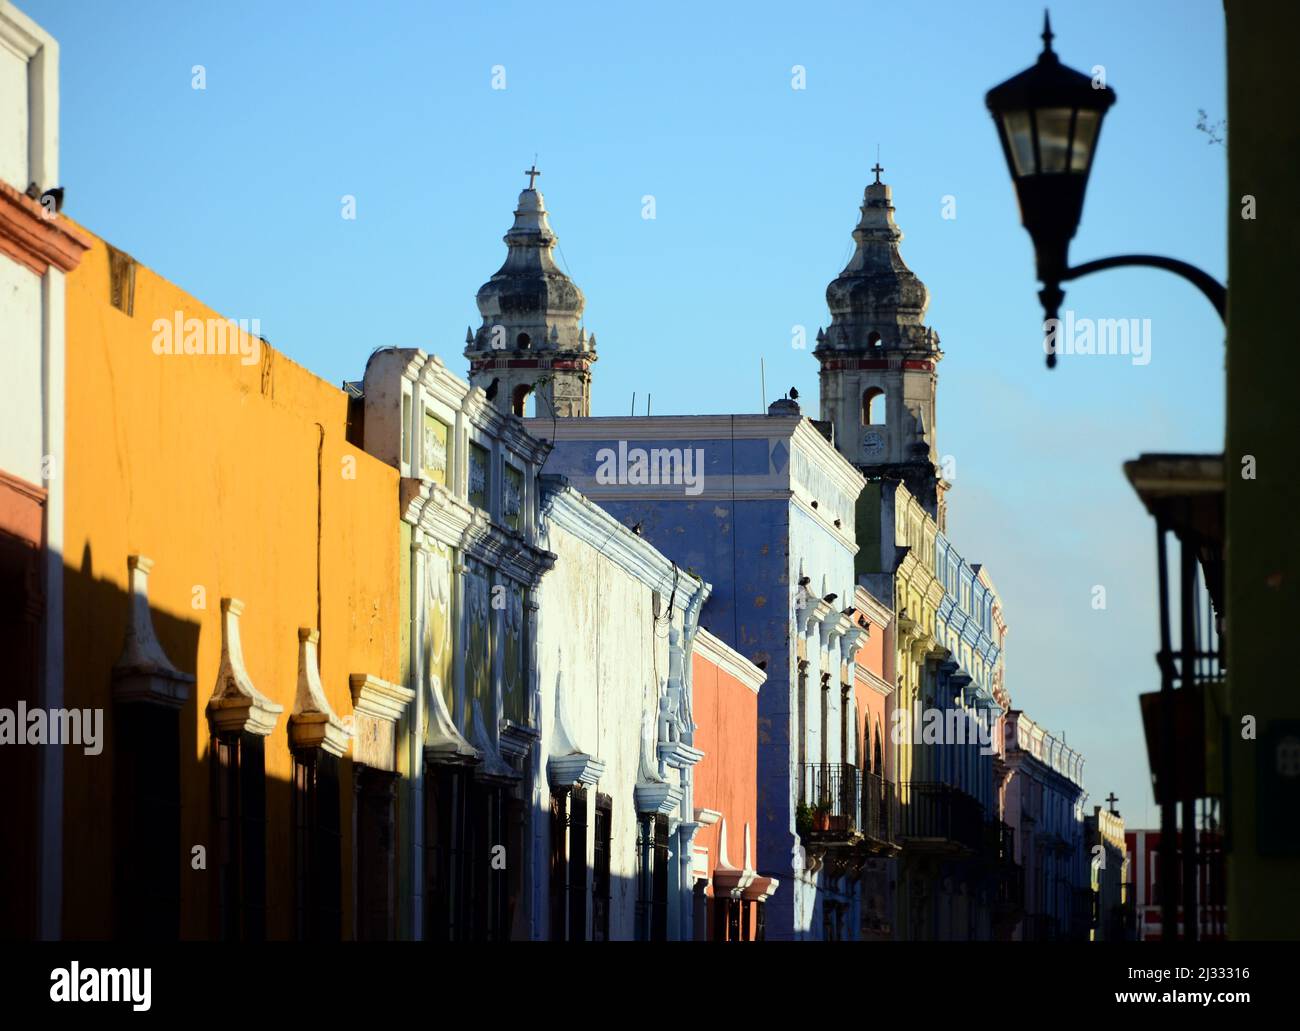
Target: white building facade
(37, 249)
(614, 849)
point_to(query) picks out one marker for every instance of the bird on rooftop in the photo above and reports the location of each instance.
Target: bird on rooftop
(491, 391)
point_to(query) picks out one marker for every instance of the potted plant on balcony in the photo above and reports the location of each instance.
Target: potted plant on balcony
(803, 819)
(822, 816)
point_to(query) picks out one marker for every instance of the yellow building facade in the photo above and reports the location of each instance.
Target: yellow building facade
(917, 594)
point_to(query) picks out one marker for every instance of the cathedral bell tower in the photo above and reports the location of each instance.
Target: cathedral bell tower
(879, 360)
(532, 341)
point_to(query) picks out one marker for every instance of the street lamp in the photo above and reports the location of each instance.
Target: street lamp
(1049, 120)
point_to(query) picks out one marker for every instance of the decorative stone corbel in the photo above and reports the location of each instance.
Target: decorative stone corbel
(377, 707)
(236, 705)
(493, 768)
(652, 793)
(568, 763)
(759, 888)
(853, 640)
(143, 673)
(313, 724)
(727, 879)
(815, 610)
(835, 625)
(443, 743)
(671, 748)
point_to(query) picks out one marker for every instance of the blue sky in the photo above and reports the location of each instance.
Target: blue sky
(234, 193)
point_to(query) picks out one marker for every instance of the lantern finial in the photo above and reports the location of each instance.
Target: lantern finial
(1048, 35)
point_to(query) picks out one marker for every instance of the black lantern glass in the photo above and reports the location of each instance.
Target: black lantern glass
(1049, 118)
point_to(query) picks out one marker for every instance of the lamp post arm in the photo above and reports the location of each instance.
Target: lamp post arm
(1215, 292)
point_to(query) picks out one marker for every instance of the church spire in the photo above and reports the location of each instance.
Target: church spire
(877, 293)
(878, 358)
(532, 338)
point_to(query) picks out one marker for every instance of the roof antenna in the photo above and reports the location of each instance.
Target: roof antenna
(633, 403)
(762, 385)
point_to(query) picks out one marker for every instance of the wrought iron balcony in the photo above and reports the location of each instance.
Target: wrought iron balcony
(879, 810)
(940, 817)
(830, 800)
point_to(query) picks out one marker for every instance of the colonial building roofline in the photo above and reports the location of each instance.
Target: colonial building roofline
(587, 521)
(727, 659)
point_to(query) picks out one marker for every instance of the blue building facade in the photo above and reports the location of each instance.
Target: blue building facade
(762, 508)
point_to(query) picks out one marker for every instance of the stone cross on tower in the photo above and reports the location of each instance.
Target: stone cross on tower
(532, 174)
(877, 169)
(1112, 799)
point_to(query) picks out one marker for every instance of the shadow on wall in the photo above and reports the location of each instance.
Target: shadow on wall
(167, 835)
(163, 837)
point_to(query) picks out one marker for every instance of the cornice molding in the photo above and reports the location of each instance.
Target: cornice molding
(728, 660)
(877, 683)
(377, 706)
(877, 612)
(432, 373)
(34, 240)
(579, 516)
(22, 35)
(841, 533)
(596, 428)
(434, 509)
(844, 474)
(437, 512)
(378, 698)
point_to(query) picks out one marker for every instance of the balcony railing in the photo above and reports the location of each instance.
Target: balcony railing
(939, 813)
(830, 792)
(879, 808)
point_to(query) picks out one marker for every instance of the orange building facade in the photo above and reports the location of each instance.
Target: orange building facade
(231, 585)
(730, 893)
